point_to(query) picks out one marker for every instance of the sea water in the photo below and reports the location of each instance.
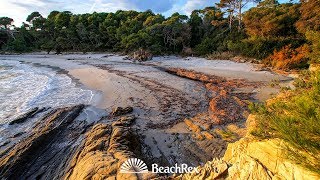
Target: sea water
(24, 86)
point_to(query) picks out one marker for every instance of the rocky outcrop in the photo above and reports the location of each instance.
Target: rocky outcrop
(193, 127)
(60, 146)
(265, 159)
(92, 159)
(195, 75)
(105, 148)
(22, 118)
(215, 169)
(314, 67)
(118, 111)
(141, 55)
(226, 108)
(225, 105)
(250, 158)
(43, 152)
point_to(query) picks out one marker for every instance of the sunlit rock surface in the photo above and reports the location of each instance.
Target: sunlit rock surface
(252, 159)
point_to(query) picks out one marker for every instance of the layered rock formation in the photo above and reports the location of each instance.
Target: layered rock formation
(226, 106)
(250, 158)
(61, 146)
(105, 148)
(43, 152)
(227, 110)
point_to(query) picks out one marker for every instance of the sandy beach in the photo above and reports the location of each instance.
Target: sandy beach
(162, 101)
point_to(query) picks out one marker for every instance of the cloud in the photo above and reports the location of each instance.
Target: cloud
(10, 9)
(20, 9)
(187, 6)
(196, 4)
(110, 5)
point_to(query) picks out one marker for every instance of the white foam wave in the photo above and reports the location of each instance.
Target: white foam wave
(23, 86)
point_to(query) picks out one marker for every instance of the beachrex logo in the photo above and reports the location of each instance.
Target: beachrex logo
(135, 165)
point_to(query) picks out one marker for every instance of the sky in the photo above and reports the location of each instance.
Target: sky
(20, 9)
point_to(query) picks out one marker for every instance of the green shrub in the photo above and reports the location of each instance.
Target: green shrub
(296, 120)
(314, 38)
(206, 46)
(17, 45)
(260, 47)
(226, 55)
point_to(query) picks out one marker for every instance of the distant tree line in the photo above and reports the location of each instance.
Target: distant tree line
(257, 32)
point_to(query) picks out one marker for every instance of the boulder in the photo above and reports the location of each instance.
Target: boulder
(105, 148)
(193, 127)
(119, 111)
(142, 55)
(264, 159)
(207, 135)
(314, 67)
(187, 51)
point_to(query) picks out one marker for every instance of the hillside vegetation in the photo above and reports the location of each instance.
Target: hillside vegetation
(287, 35)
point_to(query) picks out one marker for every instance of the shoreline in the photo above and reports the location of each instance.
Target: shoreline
(171, 110)
(235, 58)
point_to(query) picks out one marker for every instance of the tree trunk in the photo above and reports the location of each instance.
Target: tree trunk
(230, 21)
(58, 49)
(10, 33)
(240, 15)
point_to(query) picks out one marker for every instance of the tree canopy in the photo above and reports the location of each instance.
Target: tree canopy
(259, 31)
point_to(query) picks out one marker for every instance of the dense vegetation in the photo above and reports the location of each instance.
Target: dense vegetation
(268, 30)
(294, 117)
